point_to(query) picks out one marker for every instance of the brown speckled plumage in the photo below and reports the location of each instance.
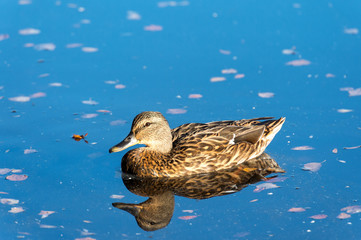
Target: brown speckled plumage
(156, 212)
(195, 147)
(206, 185)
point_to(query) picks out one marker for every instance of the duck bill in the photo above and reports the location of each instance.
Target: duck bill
(129, 141)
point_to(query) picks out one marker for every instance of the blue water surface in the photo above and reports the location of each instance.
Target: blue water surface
(158, 71)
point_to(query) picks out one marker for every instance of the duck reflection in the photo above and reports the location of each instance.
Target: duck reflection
(156, 212)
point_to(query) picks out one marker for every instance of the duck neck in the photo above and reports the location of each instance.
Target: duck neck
(163, 144)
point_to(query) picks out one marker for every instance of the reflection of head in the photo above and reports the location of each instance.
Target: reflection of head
(153, 214)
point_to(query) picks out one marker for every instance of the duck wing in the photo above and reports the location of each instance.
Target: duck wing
(207, 138)
(216, 145)
(213, 149)
(241, 128)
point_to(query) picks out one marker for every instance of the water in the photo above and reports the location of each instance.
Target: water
(159, 70)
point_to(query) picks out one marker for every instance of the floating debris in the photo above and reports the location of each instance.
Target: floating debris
(45, 47)
(20, 99)
(319, 216)
(44, 75)
(352, 92)
(86, 232)
(241, 234)
(103, 111)
(4, 171)
(17, 177)
(265, 186)
(187, 217)
(119, 86)
(111, 81)
(224, 52)
(296, 209)
(312, 166)
(115, 196)
(352, 31)
(343, 110)
(85, 21)
(38, 95)
(276, 179)
(176, 111)
(132, 15)
(218, 79)
(330, 75)
(352, 209)
(266, 94)
(4, 36)
(289, 51)
(229, 71)
(16, 210)
(239, 76)
(47, 226)
(195, 96)
(85, 238)
(153, 28)
(9, 201)
(173, 4)
(352, 147)
(298, 62)
(74, 45)
(29, 31)
(79, 137)
(188, 211)
(45, 214)
(55, 84)
(89, 102)
(118, 122)
(343, 216)
(89, 49)
(30, 150)
(89, 115)
(302, 148)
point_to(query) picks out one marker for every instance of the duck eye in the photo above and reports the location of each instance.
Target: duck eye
(147, 124)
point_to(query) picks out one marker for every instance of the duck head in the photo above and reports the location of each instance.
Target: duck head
(150, 129)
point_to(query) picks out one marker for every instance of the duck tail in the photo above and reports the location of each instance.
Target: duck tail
(272, 127)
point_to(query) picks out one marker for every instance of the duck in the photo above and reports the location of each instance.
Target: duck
(193, 148)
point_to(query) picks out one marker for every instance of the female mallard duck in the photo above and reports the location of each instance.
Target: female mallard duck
(193, 148)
